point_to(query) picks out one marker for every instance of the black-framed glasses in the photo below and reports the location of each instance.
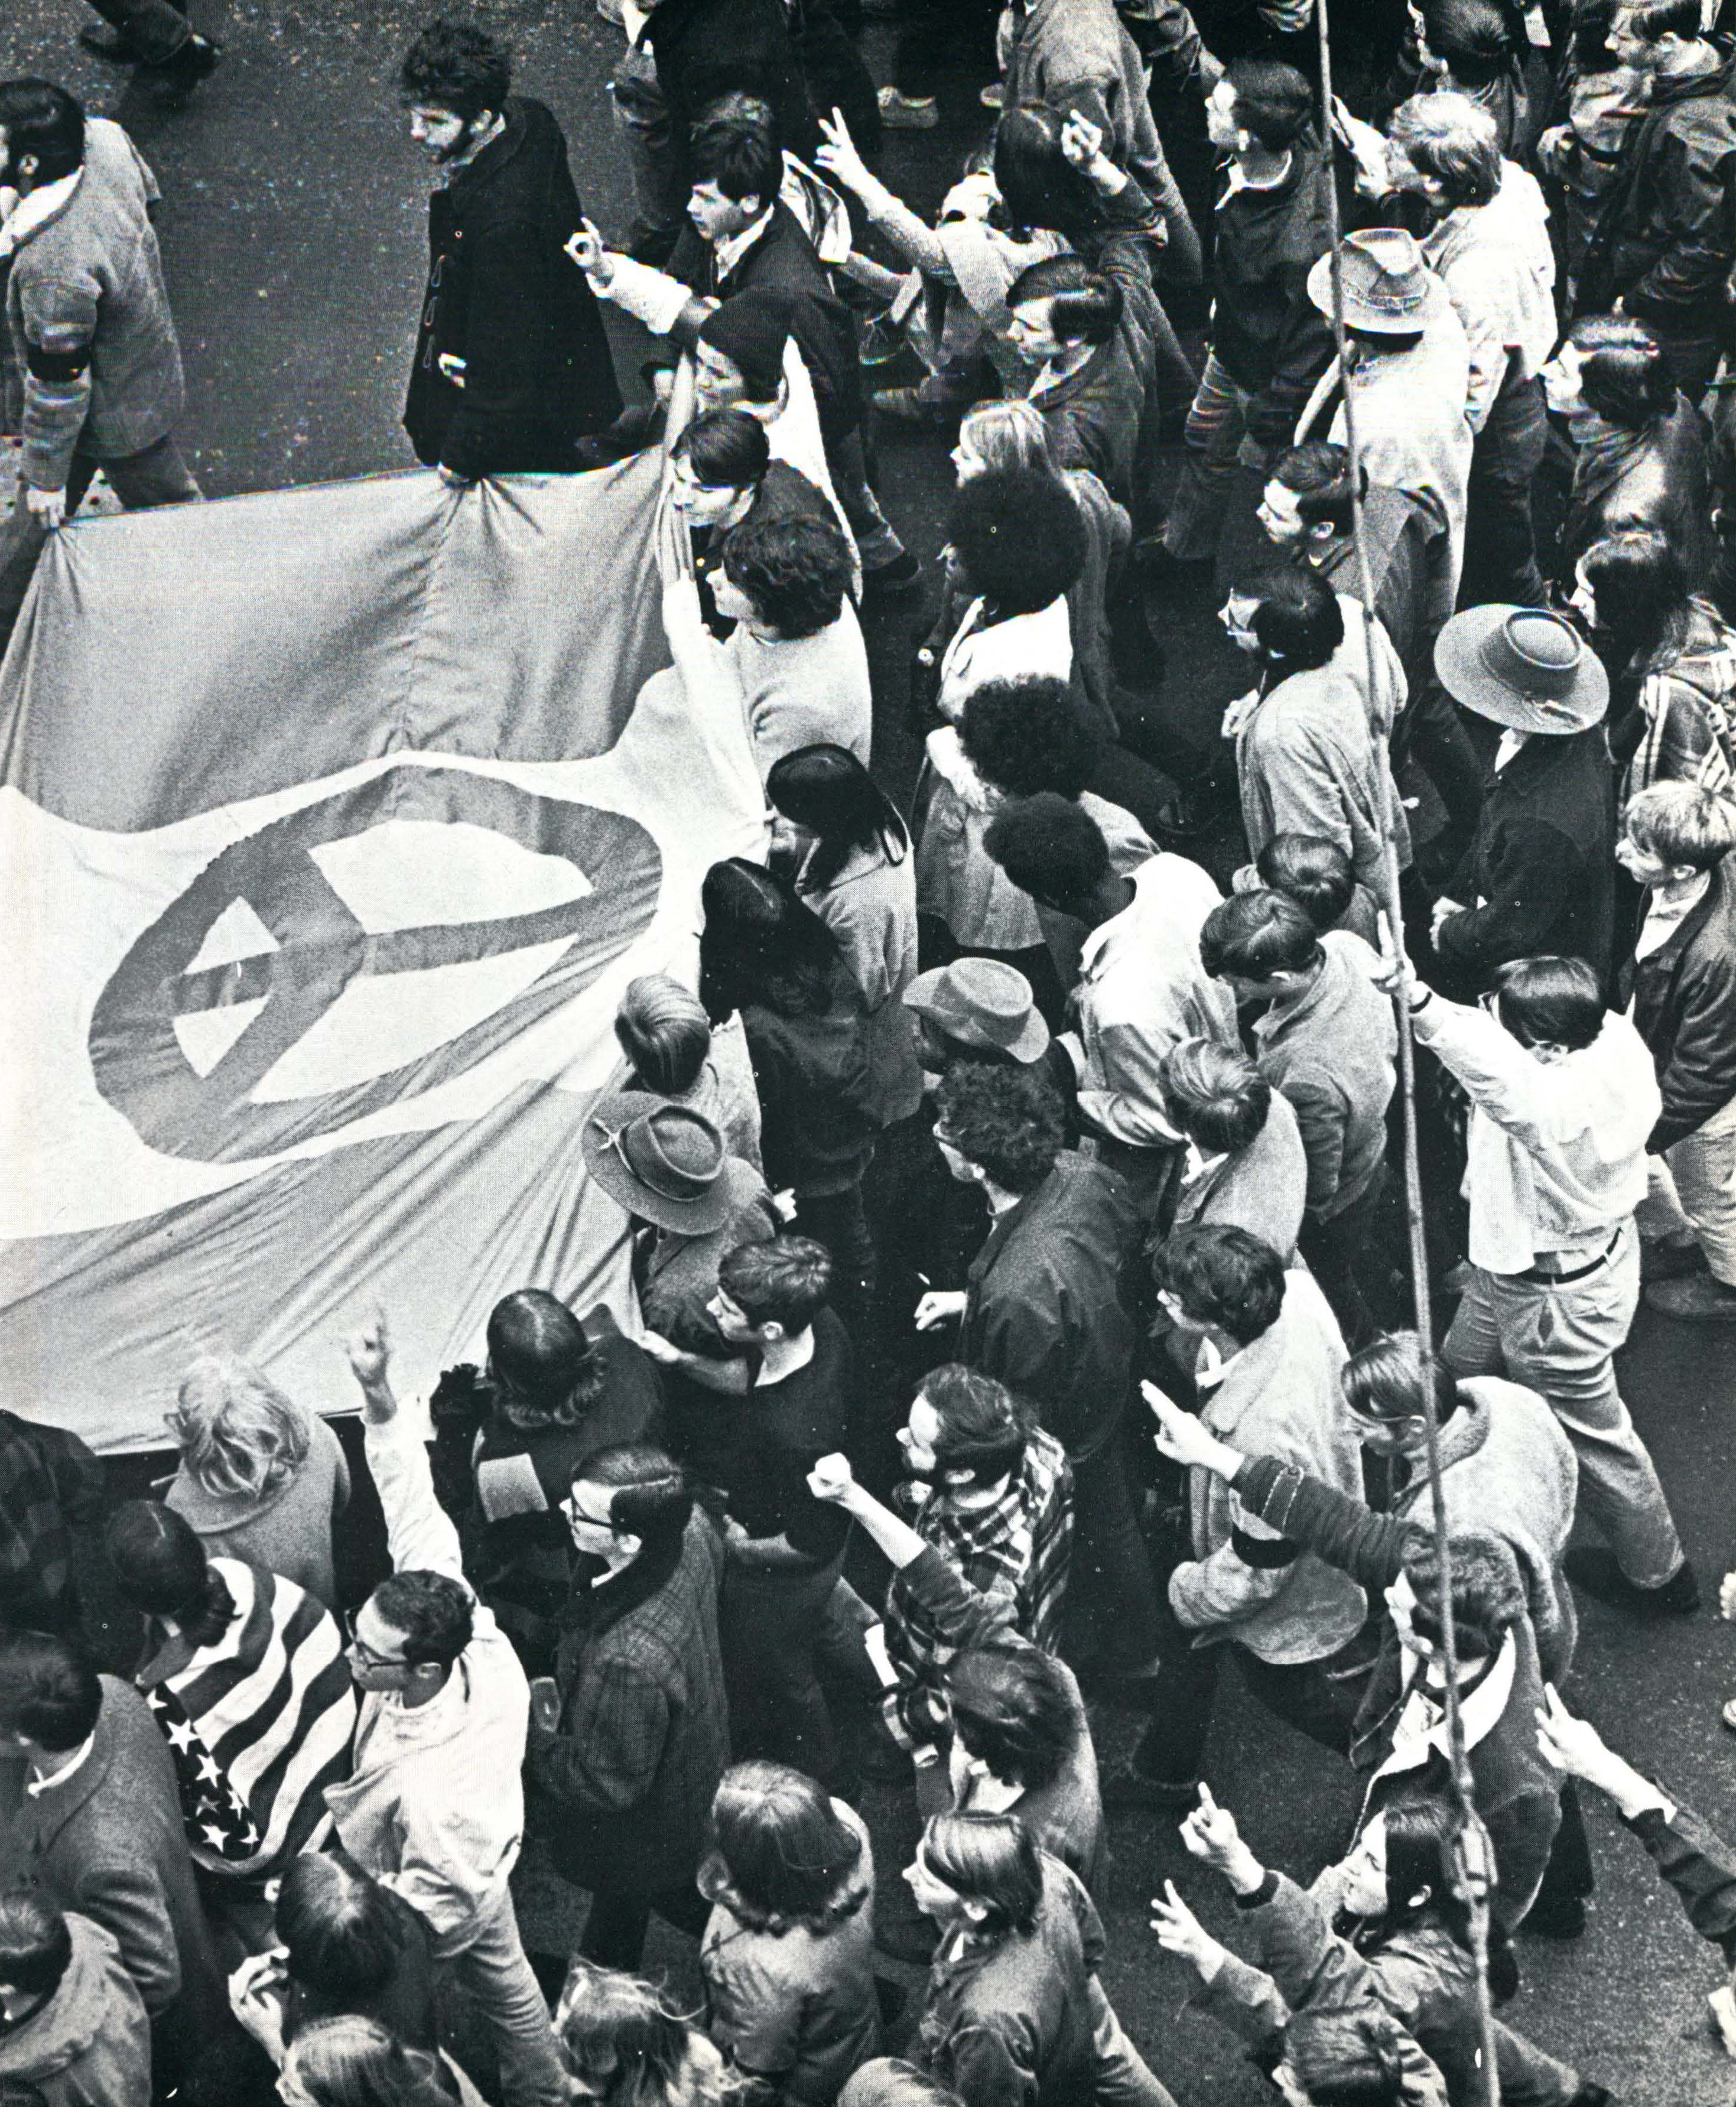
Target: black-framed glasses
(364, 1652)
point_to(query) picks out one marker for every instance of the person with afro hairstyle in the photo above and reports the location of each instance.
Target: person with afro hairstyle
(512, 368)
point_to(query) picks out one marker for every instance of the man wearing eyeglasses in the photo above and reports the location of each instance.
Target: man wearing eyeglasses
(434, 1806)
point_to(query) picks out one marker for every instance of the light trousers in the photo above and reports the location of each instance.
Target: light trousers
(1693, 1192)
(492, 1969)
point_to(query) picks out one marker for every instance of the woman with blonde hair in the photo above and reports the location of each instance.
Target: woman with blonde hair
(625, 2048)
(261, 1478)
(353, 2062)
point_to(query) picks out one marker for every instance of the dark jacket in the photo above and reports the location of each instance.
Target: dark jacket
(1701, 1867)
(49, 1480)
(404, 2002)
(1266, 334)
(1652, 478)
(1046, 1315)
(644, 1732)
(1399, 532)
(783, 260)
(708, 48)
(109, 1843)
(1683, 998)
(818, 1118)
(88, 2044)
(526, 368)
(1665, 239)
(1542, 863)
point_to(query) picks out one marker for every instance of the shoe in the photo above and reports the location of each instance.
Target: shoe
(1662, 1259)
(1565, 1920)
(897, 580)
(1128, 1788)
(1596, 1570)
(196, 59)
(907, 112)
(1694, 1299)
(993, 96)
(108, 44)
(909, 405)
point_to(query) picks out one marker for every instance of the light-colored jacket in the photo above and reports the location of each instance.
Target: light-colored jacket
(89, 2046)
(1556, 1151)
(1499, 269)
(1279, 1397)
(435, 1807)
(87, 275)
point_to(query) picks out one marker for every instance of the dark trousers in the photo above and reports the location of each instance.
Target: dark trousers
(1359, 1257)
(839, 1221)
(941, 37)
(774, 1631)
(1431, 732)
(615, 1931)
(1500, 545)
(156, 29)
(1115, 1613)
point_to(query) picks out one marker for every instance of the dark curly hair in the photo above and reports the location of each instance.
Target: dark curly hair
(984, 1429)
(1221, 1275)
(1011, 1709)
(1008, 1121)
(435, 1613)
(1019, 538)
(795, 570)
(1023, 736)
(457, 67)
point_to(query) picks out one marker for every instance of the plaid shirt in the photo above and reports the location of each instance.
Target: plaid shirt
(48, 1479)
(1016, 1550)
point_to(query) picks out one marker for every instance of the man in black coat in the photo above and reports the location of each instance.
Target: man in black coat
(512, 366)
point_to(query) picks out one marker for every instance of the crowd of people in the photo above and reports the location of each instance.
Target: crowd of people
(1023, 1321)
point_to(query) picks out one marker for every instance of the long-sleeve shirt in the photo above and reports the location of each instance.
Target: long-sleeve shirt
(434, 1808)
(1498, 269)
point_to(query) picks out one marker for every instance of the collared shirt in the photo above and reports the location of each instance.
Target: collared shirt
(37, 1787)
(729, 252)
(1239, 180)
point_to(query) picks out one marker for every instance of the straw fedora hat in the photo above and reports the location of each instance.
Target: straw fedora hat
(1389, 290)
(981, 1002)
(1523, 667)
(662, 1161)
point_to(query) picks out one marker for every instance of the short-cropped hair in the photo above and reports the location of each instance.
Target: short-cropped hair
(1273, 101)
(1623, 373)
(1550, 1001)
(794, 568)
(1318, 472)
(987, 1859)
(1450, 137)
(1221, 1275)
(1008, 1121)
(239, 1434)
(455, 66)
(1217, 1096)
(342, 1932)
(1315, 872)
(1254, 935)
(1049, 847)
(1488, 1594)
(49, 1693)
(741, 157)
(40, 119)
(35, 1944)
(1652, 20)
(1386, 1380)
(1011, 1709)
(1683, 823)
(1297, 620)
(650, 1496)
(787, 1280)
(1086, 308)
(1027, 734)
(725, 449)
(434, 1612)
(984, 1429)
(664, 1030)
(1019, 537)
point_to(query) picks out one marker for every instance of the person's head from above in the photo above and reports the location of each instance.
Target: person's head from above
(768, 1293)
(717, 464)
(1400, 1870)
(1447, 149)
(1258, 110)
(784, 577)
(542, 1369)
(761, 944)
(1631, 590)
(630, 1500)
(662, 1028)
(42, 134)
(1038, 186)
(1608, 369)
(966, 1433)
(1052, 848)
(1289, 620)
(1487, 1593)
(1526, 669)
(455, 80)
(35, 1953)
(1214, 1095)
(888, 2081)
(998, 1127)
(1552, 1005)
(1012, 1719)
(50, 1696)
(1673, 832)
(783, 1855)
(1018, 538)
(1657, 36)
(350, 2061)
(666, 1165)
(341, 1933)
(1009, 432)
(240, 1437)
(1315, 872)
(738, 359)
(1469, 39)
(975, 1009)
(1264, 945)
(1221, 1283)
(1391, 296)
(159, 1567)
(406, 1638)
(982, 1870)
(826, 807)
(1026, 735)
(1590, 22)
(1061, 310)
(1345, 2056)
(624, 2046)
(1310, 500)
(1388, 1391)
(737, 170)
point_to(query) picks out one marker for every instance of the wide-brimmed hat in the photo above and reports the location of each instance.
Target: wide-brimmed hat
(1389, 290)
(662, 1161)
(1523, 667)
(981, 1002)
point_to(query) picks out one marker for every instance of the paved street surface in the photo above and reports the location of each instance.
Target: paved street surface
(293, 226)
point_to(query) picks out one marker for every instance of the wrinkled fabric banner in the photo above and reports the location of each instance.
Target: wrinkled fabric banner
(333, 824)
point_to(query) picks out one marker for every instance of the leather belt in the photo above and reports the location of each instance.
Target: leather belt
(1536, 1273)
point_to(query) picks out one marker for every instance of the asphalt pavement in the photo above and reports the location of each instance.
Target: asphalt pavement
(294, 233)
